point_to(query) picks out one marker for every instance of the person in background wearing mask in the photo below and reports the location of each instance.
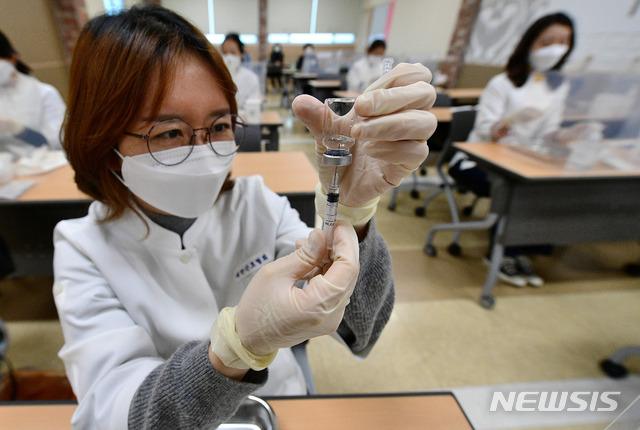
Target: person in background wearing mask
(245, 79)
(525, 102)
(31, 112)
(368, 68)
(178, 292)
(307, 62)
(274, 68)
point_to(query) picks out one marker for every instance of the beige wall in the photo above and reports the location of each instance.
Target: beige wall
(30, 26)
(419, 28)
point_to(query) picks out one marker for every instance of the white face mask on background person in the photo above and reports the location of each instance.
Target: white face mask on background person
(544, 59)
(7, 71)
(188, 189)
(232, 62)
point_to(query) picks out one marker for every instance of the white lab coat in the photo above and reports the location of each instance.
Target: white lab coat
(501, 98)
(364, 72)
(127, 302)
(248, 85)
(34, 104)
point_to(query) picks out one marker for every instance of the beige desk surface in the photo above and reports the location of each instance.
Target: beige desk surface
(325, 83)
(304, 75)
(532, 168)
(283, 172)
(270, 117)
(464, 93)
(443, 114)
(433, 412)
(346, 94)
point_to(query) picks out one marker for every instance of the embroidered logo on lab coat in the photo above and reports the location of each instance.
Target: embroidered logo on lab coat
(252, 265)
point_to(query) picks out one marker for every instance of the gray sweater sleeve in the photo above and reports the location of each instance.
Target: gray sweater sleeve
(186, 392)
(373, 297)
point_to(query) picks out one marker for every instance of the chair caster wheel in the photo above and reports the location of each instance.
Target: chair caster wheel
(487, 302)
(430, 250)
(420, 211)
(467, 211)
(454, 249)
(613, 369)
(392, 208)
(414, 194)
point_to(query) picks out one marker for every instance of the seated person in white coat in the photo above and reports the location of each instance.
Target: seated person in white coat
(178, 292)
(525, 102)
(31, 112)
(367, 69)
(245, 79)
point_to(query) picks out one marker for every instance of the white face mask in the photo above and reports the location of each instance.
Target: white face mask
(308, 51)
(544, 59)
(187, 189)
(232, 62)
(7, 71)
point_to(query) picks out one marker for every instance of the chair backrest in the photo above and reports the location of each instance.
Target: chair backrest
(462, 120)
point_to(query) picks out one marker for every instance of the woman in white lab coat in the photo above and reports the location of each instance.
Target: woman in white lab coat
(245, 79)
(525, 102)
(367, 69)
(177, 293)
(31, 112)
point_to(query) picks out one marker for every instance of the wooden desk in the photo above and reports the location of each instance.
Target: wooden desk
(27, 224)
(443, 114)
(286, 173)
(346, 94)
(536, 203)
(323, 88)
(325, 83)
(271, 122)
(470, 94)
(434, 411)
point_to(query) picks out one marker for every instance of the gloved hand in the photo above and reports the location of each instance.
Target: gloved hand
(394, 124)
(8, 125)
(273, 313)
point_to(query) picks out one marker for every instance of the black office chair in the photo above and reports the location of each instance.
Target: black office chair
(462, 121)
(614, 364)
(436, 143)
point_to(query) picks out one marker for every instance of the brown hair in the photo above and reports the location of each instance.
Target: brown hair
(115, 61)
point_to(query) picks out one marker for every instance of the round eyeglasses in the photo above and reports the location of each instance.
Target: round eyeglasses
(224, 136)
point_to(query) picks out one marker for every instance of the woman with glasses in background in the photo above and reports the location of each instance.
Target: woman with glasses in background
(179, 289)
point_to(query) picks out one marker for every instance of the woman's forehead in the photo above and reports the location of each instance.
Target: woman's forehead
(188, 84)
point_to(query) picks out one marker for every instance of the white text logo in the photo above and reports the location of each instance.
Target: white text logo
(554, 401)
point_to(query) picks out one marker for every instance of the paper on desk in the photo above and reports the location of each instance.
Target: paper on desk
(42, 160)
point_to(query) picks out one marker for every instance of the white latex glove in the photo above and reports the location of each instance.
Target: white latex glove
(273, 313)
(8, 125)
(391, 133)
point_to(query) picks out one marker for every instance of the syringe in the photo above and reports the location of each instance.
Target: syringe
(331, 210)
